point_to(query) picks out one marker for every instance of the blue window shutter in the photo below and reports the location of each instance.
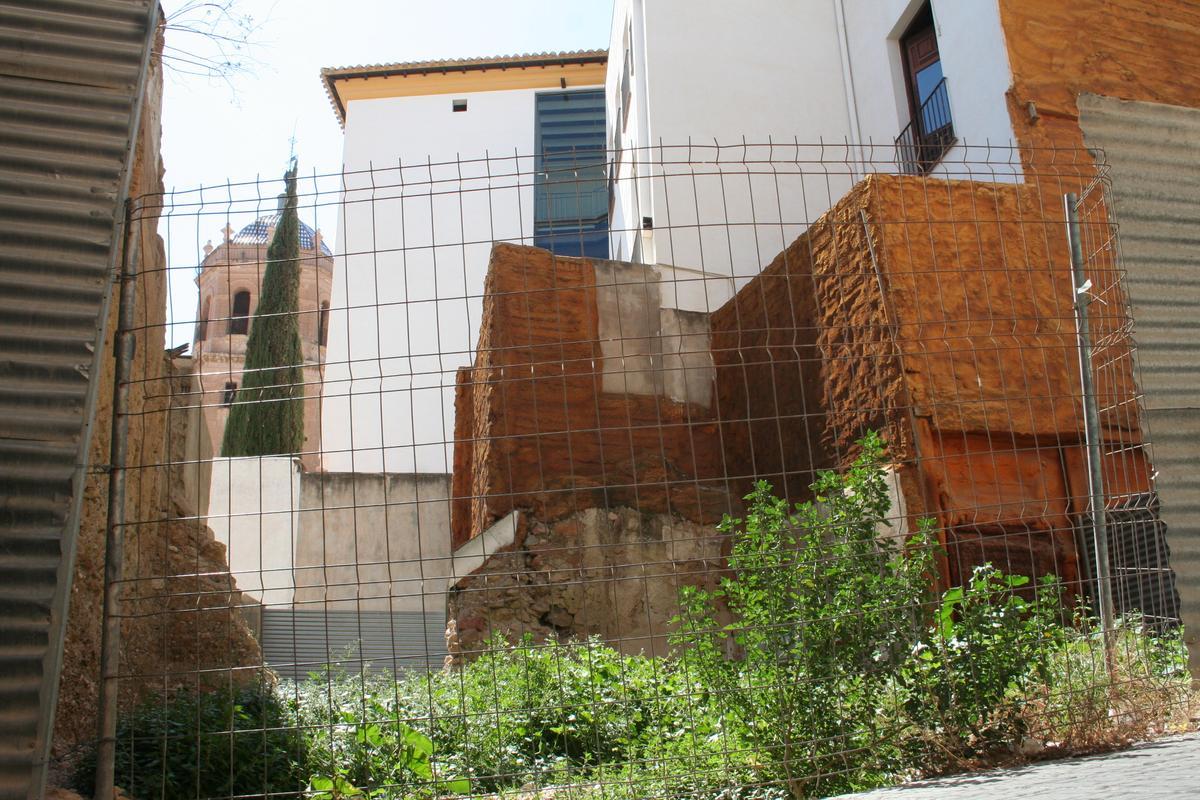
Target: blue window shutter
(570, 187)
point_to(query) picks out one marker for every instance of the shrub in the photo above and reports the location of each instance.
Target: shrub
(1080, 706)
(987, 646)
(551, 713)
(201, 744)
(824, 610)
(842, 675)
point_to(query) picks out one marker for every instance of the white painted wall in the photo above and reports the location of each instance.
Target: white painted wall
(823, 73)
(250, 511)
(373, 542)
(974, 61)
(413, 244)
(332, 541)
(713, 73)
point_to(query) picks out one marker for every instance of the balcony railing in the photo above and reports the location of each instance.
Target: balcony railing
(926, 139)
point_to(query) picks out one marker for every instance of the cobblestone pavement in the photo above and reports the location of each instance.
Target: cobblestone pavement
(1163, 768)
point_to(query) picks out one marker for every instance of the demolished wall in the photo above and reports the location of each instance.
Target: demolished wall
(608, 572)
(939, 313)
(942, 316)
(551, 422)
(588, 412)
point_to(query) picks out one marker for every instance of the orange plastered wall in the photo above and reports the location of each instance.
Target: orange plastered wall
(544, 437)
(1129, 49)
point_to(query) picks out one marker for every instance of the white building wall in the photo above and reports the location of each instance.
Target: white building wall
(824, 73)
(427, 191)
(710, 73)
(250, 511)
(417, 223)
(974, 61)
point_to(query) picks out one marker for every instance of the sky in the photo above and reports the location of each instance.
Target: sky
(217, 130)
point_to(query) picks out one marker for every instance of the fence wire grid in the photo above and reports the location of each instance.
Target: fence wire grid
(525, 391)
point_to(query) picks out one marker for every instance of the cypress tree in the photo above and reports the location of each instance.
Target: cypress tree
(267, 416)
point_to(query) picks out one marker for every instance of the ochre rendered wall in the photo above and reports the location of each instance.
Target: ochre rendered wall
(938, 313)
(544, 437)
(1128, 49)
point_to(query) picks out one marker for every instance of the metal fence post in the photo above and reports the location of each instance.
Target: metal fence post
(114, 550)
(1091, 421)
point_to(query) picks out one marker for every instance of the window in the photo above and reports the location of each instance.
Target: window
(229, 394)
(458, 105)
(239, 318)
(930, 133)
(202, 323)
(570, 187)
(323, 325)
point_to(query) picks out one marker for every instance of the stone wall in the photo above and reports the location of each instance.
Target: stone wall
(608, 572)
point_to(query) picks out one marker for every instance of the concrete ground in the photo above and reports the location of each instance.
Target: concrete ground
(1163, 768)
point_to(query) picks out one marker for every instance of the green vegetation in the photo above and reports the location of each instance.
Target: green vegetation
(823, 663)
(267, 416)
(206, 744)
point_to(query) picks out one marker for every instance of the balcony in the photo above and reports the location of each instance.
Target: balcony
(923, 142)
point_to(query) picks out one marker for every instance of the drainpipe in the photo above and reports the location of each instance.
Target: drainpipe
(839, 13)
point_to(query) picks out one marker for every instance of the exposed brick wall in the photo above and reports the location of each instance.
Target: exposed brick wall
(544, 437)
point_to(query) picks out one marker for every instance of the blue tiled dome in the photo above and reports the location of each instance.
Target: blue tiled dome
(256, 233)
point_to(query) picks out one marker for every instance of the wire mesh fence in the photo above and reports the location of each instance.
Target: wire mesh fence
(779, 487)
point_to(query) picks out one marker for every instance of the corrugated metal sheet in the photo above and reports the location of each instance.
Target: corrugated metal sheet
(1154, 154)
(296, 642)
(70, 78)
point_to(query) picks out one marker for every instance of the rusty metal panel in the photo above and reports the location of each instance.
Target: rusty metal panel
(1154, 155)
(71, 74)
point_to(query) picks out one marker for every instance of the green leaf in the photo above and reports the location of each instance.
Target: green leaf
(459, 786)
(418, 741)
